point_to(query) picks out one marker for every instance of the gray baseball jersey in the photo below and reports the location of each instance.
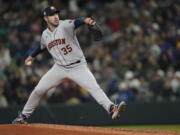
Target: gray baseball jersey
(62, 43)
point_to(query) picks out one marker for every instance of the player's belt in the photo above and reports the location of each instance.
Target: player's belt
(73, 63)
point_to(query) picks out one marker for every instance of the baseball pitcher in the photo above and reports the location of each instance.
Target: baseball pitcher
(59, 38)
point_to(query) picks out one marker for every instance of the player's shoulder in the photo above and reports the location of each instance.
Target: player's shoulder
(67, 21)
(45, 33)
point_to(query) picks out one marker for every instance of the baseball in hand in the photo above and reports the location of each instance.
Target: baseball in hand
(29, 63)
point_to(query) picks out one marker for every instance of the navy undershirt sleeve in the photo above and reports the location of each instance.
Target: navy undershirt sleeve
(36, 51)
(79, 21)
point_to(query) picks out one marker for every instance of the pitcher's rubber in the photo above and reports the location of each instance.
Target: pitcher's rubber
(50, 129)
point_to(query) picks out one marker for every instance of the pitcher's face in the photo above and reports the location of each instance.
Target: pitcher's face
(52, 19)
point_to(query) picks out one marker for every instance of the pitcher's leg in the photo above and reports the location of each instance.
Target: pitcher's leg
(51, 79)
(85, 79)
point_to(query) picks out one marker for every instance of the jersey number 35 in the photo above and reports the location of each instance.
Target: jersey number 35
(67, 49)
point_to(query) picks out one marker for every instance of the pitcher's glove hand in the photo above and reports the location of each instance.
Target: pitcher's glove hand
(94, 29)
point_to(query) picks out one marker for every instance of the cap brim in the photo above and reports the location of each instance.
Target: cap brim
(52, 12)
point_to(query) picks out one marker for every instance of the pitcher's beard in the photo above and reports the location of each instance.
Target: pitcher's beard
(54, 24)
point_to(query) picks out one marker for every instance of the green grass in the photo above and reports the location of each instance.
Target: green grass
(175, 128)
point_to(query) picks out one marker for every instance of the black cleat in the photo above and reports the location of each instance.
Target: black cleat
(21, 119)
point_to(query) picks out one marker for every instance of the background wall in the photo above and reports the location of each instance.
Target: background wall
(92, 114)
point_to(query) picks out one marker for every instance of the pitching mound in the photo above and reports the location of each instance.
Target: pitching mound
(50, 129)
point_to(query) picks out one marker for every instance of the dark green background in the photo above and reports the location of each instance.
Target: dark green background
(92, 114)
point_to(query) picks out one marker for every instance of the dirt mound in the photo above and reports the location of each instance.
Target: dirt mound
(50, 129)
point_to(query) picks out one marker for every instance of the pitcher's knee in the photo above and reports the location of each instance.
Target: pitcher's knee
(95, 89)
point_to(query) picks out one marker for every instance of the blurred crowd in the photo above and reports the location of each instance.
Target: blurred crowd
(138, 58)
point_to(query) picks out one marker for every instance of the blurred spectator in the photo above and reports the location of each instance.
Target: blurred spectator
(143, 94)
(175, 84)
(156, 85)
(124, 93)
(3, 101)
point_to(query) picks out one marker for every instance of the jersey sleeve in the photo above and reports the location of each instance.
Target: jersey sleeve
(79, 21)
(39, 49)
(69, 25)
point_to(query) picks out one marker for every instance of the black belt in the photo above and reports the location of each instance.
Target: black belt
(73, 63)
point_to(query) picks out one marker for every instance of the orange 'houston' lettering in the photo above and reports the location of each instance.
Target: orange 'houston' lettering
(56, 42)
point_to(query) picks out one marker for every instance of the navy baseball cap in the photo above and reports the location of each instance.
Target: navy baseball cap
(50, 11)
